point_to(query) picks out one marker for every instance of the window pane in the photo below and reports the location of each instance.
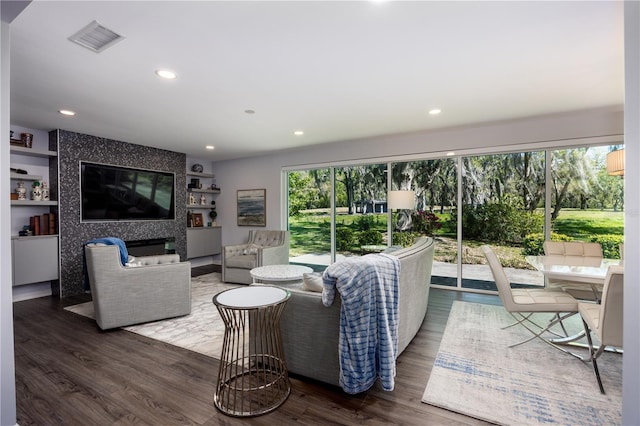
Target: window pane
(309, 217)
(360, 209)
(587, 203)
(503, 205)
(435, 185)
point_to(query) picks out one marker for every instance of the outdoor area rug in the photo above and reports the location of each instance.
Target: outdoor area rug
(201, 331)
(476, 374)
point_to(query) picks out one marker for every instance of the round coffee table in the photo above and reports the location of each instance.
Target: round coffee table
(279, 273)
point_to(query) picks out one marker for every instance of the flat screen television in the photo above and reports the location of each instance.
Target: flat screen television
(114, 193)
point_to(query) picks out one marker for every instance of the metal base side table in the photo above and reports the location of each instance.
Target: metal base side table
(253, 377)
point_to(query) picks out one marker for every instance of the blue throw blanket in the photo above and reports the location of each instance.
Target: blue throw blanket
(368, 343)
(108, 241)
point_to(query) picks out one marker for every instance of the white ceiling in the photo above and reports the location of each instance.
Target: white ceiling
(336, 70)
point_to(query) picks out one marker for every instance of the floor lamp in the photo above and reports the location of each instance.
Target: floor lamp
(403, 201)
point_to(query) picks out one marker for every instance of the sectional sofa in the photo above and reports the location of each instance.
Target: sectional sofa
(310, 331)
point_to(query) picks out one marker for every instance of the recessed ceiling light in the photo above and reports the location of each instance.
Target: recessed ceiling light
(434, 111)
(298, 133)
(169, 75)
(209, 147)
(450, 154)
(67, 112)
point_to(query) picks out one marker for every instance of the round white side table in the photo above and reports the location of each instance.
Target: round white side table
(253, 377)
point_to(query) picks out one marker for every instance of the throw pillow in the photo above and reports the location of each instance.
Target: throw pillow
(251, 249)
(312, 282)
(133, 262)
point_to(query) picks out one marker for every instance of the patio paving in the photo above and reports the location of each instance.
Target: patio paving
(443, 269)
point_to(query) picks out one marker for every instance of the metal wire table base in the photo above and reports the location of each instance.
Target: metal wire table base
(253, 377)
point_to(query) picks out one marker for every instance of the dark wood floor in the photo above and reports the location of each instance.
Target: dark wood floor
(68, 372)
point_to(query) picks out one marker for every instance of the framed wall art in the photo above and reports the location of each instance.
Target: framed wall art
(252, 207)
(198, 220)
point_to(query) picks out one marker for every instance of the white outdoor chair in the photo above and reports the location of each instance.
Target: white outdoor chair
(580, 249)
(605, 320)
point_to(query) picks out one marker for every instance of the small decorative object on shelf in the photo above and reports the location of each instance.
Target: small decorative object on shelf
(45, 191)
(195, 184)
(203, 200)
(26, 231)
(36, 192)
(192, 198)
(21, 191)
(27, 139)
(197, 168)
(197, 220)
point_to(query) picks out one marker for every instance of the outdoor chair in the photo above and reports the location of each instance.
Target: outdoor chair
(580, 249)
(521, 304)
(604, 319)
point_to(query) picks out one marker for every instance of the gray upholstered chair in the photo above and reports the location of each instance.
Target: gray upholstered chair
(522, 303)
(605, 319)
(158, 288)
(262, 248)
(579, 249)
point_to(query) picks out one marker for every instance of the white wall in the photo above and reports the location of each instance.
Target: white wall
(631, 359)
(7, 367)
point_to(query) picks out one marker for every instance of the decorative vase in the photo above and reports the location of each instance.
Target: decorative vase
(36, 192)
(21, 191)
(203, 200)
(45, 191)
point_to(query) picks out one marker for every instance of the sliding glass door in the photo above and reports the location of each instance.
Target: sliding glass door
(511, 201)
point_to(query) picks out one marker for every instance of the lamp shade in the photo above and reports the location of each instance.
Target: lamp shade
(401, 200)
(615, 163)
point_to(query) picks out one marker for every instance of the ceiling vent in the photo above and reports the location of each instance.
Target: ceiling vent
(95, 37)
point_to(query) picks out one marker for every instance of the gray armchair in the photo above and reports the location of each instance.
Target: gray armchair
(262, 248)
(158, 288)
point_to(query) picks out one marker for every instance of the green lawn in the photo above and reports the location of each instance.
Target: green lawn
(583, 223)
(310, 233)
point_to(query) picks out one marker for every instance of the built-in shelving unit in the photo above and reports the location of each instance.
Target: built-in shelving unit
(202, 240)
(35, 258)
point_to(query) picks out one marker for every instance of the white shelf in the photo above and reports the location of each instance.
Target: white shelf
(200, 206)
(202, 175)
(32, 152)
(33, 237)
(20, 176)
(31, 203)
(204, 191)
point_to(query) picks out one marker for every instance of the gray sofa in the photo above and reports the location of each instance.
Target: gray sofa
(310, 331)
(158, 287)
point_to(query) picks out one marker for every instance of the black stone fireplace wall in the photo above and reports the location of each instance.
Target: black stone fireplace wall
(73, 148)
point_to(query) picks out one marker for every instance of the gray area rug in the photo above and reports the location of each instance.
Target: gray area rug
(476, 374)
(201, 331)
